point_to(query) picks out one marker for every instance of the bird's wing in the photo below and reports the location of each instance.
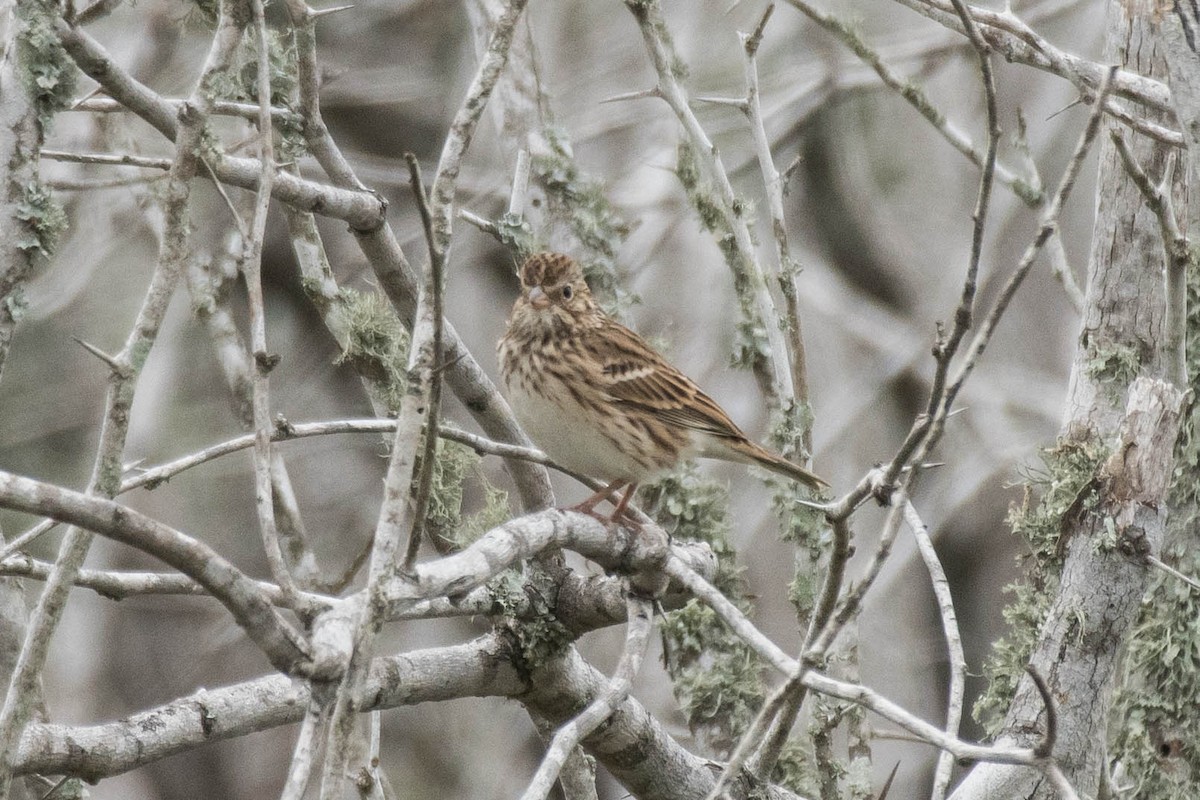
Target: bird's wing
(633, 373)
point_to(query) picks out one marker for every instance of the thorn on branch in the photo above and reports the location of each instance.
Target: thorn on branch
(445, 365)
(94, 92)
(786, 176)
(639, 95)
(881, 489)
(887, 785)
(520, 184)
(482, 223)
(739, 103)
(1158, 563)
(939, 340)
(325, 12)
(119, 367)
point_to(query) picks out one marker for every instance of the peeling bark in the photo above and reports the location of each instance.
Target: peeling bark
(1123, 336)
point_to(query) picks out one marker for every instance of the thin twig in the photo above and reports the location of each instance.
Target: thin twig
(1045, 748)
(956, 659)
(640, 615)
(855, 693)
(263, 362)
(308, 80)
(1060, 266)
(1049, 224)
(1017, 42)
(758, 732)
(120, 585)
(211, 287)
(773, 377)
(787, 268)
(919, 100)
(249, 111)
(819, 640)
(1059, 779)
(433, 289)
(305, 752)
(102, 184)
(374, 767)
(1174, 573)
(109, 159)
(247, 600)
(773, 724)
(395, 510)
(363, 210)
(155, 476)
(946, 347)
(229, 204)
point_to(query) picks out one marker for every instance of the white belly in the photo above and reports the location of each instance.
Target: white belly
(572, 435)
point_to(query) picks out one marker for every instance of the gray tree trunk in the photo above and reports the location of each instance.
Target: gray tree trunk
(1122, 338)
(20, 144)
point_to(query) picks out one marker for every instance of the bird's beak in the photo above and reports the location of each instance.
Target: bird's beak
(538, 298)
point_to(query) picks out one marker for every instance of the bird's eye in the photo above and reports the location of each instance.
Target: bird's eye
(567, 292)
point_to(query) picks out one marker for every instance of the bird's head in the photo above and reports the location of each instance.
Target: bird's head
(553, 289)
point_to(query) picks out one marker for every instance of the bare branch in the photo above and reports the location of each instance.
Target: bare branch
(110, 159)
(916, 97)
(957, 660)
(362, 210)
(787, 268)
(307, 744)
(155, 476)
(1049, 225)
(264, 362)
(855, 693)
(245, 599)
(773, 377)
(1017, 42)
(247, 111)
(419, 404)
(106, 471)
(431, 380)
(637, 637)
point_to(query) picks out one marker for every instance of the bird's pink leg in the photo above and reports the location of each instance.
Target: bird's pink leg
(621, 506)
(588, 506)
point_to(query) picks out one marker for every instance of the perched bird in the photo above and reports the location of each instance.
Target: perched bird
(599, 400)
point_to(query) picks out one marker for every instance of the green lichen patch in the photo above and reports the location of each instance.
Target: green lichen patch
(47, 72)
(1115, 366)
(525, 609)
(43, 218)
(1062, 489)
(455, 465)
(717, 678)
(579, 200)
(377, 345)
(1153, 726)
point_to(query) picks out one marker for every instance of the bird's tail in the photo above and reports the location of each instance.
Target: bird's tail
(748, 451)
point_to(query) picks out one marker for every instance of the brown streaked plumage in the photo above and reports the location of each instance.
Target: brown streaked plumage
(602, 402)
